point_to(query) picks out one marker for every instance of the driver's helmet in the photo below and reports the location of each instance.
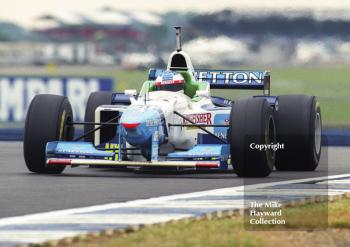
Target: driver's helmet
(170, 81)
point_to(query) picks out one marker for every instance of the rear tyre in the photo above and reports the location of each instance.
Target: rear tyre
(299, 128)
(95, 100)
(46, 121)
(251, 123)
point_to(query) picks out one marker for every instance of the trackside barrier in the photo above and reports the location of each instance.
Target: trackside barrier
(16, 93)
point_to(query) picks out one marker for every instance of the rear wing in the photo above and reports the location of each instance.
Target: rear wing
(235, 79)
(228, 79)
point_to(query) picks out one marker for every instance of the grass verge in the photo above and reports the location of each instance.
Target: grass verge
(230, 231)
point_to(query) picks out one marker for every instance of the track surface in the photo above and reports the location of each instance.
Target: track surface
(23, 193)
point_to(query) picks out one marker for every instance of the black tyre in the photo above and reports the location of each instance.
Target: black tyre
(46, 121)
(251, 122)
(95, 100)
(299, 128)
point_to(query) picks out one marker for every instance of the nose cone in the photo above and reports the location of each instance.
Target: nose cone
(138, 125)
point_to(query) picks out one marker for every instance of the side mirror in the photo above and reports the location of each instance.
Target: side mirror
(203, 93)
(130, 92)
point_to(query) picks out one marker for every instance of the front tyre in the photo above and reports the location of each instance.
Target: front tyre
(252, 124)
(46, 121)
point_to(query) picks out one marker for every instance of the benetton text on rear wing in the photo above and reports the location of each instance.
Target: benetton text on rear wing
(235, 79)
(228, 79)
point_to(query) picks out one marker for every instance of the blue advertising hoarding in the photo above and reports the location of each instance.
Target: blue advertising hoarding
(16, 93)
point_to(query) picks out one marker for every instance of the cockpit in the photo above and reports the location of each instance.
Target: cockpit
(180, 63)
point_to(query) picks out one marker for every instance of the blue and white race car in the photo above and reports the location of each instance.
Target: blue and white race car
(174, 122)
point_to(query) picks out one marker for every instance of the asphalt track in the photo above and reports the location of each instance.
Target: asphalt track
(23, 193)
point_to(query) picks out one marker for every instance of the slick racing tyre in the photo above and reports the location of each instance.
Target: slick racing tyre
(95, 100)
(299, 128)
(46, 121)
(252, 125)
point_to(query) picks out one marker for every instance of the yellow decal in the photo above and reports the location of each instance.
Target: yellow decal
(114, 149)
(63, 117)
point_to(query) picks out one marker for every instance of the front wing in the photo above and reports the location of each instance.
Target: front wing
(96, 162)
(202, 156)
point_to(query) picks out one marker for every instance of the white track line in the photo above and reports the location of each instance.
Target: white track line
(34, 237)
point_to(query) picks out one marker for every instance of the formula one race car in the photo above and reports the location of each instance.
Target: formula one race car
(174, 122)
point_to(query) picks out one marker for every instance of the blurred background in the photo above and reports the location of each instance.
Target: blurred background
(305, 44)
(138, 34)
